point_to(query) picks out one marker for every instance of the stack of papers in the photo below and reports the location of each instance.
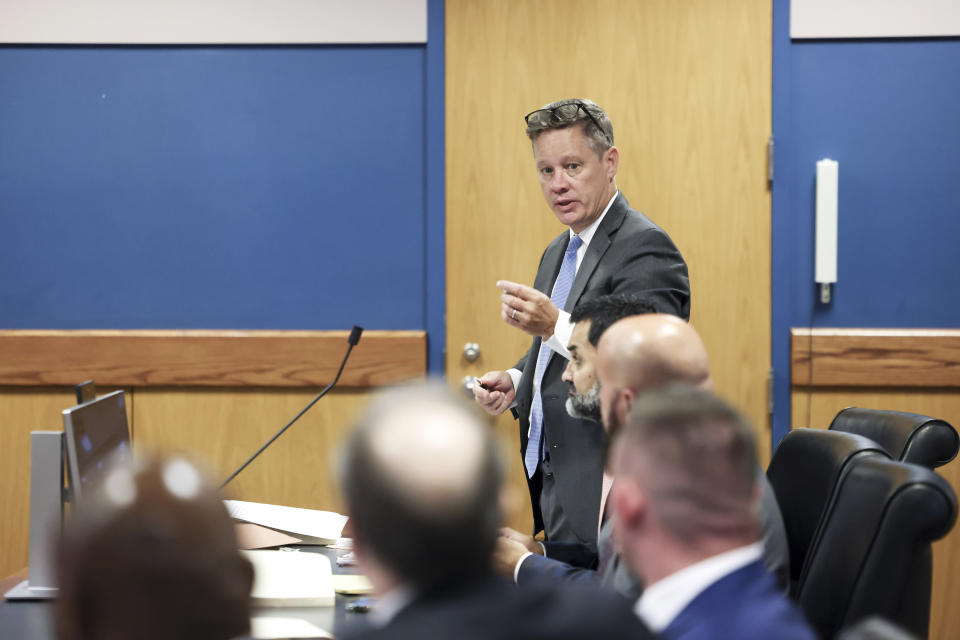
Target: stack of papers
(350, 585)
(264, 628)
(285, 579)
(309, 525)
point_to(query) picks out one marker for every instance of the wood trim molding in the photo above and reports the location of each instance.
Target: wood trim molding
(875, 357)
(208, 358)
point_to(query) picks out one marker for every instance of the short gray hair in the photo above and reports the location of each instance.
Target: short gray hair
(695, 456)
(596, 126)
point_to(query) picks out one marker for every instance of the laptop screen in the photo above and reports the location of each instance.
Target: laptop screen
(97, 436)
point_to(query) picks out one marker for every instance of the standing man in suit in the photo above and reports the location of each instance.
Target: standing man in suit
(422, 478)
(608, 248)
(684, 496)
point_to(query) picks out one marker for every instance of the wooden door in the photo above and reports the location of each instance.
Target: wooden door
(687, 84)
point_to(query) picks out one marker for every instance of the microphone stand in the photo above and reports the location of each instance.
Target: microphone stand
(353, 340)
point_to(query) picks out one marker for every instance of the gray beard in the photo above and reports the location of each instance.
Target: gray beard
(585, 406)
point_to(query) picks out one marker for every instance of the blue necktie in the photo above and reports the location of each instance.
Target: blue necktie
(561, 289)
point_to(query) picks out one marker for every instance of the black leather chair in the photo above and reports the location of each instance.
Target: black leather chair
(804, 472)
(909, 437)
(875, 628)
(872, 554)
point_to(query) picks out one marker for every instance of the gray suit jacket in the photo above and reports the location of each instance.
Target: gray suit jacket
(628, 253)
(602, 565)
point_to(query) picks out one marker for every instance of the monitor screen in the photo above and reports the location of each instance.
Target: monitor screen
(96, 437)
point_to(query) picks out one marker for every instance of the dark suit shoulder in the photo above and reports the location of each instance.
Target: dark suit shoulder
(494, 612)
(630, 253)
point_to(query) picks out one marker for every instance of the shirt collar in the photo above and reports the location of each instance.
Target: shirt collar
(587, 234)
(663, 600)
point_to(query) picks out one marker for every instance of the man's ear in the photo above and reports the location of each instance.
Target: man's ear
(611, 162)
(624, 402)
(629, 503)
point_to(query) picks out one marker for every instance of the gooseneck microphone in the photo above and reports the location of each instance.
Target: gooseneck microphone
(353, 340)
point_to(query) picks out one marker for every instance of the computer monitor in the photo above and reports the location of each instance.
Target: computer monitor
(86, 391)
(97, 436)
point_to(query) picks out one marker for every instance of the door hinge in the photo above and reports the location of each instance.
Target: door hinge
(770, 392)
(770, 160)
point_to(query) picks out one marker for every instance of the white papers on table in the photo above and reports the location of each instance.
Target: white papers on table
(310, 525)
(342, 543)
(284, 579)
(352, 585)
(347, 560)
(269, 628)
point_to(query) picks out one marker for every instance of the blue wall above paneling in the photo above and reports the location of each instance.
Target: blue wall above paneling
(887, 111)
(213, 187)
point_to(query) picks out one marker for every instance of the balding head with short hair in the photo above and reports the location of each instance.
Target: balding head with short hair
(645, 352)
(421, 476)
(685, 472)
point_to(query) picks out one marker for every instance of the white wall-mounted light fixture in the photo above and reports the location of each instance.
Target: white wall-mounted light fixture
(825, 258)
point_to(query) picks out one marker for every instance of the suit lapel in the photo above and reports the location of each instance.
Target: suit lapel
(598, 246)
(552, 260)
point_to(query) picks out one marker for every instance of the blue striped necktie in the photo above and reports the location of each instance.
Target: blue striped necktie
(561, 289)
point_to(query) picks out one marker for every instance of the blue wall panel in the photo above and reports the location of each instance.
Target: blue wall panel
(213, 187)
(887, 111)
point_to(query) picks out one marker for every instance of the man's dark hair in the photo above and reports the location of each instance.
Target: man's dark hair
(604, 311)
(425, 544)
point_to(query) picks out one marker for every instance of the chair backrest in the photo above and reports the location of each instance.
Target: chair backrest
(909, 437)
(804, 472)
(872, 556)
(875, 628)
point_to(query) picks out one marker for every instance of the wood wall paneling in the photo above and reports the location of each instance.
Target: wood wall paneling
(223, 427)
(875, 357)
(209, 358)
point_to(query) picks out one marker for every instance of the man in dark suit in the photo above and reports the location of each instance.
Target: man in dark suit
(684, 497)
(422, 481)
(527, 560)
(608, 248)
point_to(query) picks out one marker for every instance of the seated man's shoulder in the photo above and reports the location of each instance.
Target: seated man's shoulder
(500, 610)
(749, 604)
(574, 611)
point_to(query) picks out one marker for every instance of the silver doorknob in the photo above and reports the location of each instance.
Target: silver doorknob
(467, 384)
(471, 351)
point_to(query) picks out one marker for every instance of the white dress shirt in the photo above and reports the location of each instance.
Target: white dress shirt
(663, 600)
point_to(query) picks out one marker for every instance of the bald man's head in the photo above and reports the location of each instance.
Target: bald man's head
(421, 477)
(645, 352)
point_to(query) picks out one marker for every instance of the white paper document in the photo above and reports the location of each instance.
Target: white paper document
(269, 628)
(284, 579)
(310, 525)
